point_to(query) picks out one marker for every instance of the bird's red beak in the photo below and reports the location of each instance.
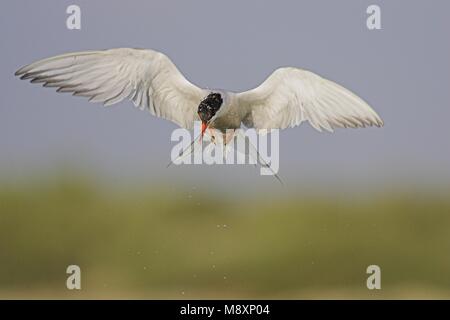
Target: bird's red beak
(204, 126)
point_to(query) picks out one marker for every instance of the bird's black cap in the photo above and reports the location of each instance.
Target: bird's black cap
(209, 106)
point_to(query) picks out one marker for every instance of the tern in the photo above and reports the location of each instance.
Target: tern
(287, 98)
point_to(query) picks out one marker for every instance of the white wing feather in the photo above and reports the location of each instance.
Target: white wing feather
(146, 77)
(290, 96)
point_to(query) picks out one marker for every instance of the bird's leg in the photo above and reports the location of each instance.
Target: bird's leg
(259, 159)
(228, 136)
(187, 151)
(211, 133)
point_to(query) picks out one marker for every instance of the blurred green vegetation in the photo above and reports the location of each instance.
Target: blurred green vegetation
(161, 242)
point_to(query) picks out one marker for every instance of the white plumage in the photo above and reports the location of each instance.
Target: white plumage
(146, 77)
(291, 95)
(287, 98)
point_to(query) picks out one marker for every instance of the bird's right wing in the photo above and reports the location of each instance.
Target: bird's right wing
(290, 96)
(146, 77)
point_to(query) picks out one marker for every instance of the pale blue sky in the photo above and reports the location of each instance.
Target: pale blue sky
(403, 71)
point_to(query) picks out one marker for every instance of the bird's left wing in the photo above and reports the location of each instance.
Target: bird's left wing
(146, 77)
(290, 96)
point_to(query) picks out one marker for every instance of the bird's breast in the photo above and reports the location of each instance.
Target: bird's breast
(228, 120)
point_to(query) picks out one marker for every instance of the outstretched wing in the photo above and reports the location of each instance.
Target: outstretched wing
(290, 96)
(146, 77)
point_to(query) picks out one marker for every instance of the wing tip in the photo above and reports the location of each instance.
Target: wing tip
(21, 71)
(377, 121)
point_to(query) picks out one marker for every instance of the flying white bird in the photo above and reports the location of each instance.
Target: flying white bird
(285, 99)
